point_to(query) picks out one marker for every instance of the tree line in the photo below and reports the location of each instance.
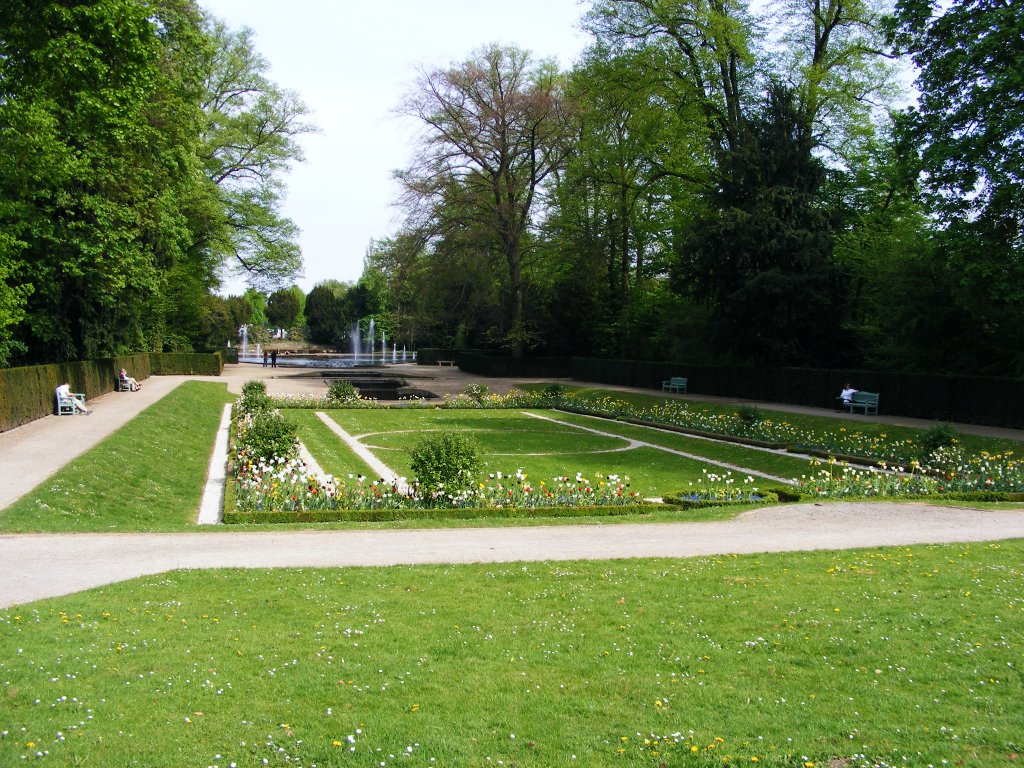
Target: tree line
(711, 183)
(142, 149)
(713, 180)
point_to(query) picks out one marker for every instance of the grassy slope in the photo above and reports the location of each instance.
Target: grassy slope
(149, 476)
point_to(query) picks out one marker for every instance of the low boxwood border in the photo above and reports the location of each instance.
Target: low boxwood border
(465, 513)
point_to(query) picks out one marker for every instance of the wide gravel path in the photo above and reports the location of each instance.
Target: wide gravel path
(34, 566)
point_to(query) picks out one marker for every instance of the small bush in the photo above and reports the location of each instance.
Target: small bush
(750, 414)
(936, 437)
(476, 391)
(267, 434)
(339, 391)
(554, 391)
(254, 397)
(446, 461)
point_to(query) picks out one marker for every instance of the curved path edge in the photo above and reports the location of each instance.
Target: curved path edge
(36, 566)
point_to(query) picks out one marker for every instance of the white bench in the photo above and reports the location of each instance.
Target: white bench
(66, 405)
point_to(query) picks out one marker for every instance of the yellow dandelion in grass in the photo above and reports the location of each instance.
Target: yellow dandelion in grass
(694, 749)
(754, 759)
(336, 743)
(414, 708)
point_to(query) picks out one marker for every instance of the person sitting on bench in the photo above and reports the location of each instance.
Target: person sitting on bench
(65, 394)
(845, 397)
(133, 385)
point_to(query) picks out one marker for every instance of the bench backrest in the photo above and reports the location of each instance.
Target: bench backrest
(677, 380)
(865, 397)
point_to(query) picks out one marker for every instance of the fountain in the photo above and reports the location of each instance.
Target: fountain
(244, 331)
(355, 343)
(372, 336)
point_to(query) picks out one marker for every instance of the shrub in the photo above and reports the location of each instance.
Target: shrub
(267, 434)
(254, 397)
(554, 391)
(476, 391)
(936, 437)
(445, 462)
(750, 414)
(340, 391)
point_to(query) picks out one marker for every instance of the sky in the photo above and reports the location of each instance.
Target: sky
(351, 62)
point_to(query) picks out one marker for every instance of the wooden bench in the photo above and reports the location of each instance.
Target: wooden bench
(66, 405)
(446, 362)
(675, 384)
(865, 401)
(122, 385)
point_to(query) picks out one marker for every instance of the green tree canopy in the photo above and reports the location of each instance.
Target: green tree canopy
(282, 308)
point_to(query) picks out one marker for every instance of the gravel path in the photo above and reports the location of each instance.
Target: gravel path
(35, 566)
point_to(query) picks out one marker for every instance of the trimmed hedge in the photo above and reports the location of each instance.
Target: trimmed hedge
(462, 513)
(26, 393)
(964, 399)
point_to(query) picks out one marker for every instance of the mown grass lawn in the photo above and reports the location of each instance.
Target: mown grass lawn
(545, 444)
(896, 657)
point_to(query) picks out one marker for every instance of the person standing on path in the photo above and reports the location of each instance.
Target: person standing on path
(273, 359)
(265, 358)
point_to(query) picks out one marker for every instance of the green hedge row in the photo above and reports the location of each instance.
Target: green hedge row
(26, 393)
(966, 399)
(464, 513)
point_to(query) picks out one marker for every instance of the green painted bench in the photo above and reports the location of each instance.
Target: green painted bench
(675, 384)
(865, 401)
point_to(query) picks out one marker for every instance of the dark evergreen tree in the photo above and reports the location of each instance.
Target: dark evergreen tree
(761, 258)
(325, 313)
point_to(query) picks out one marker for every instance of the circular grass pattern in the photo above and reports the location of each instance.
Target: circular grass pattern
(535, 441)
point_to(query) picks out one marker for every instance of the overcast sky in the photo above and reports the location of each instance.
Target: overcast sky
(351, 61)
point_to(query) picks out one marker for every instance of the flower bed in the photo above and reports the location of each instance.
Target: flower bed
(285, 485)
(888, 469)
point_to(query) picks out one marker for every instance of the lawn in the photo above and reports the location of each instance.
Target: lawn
(546, 444)
(879, 657)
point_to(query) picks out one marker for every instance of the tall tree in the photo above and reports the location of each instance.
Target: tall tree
(251, 137)
(834, 55)
(639, 156)
(325, 313)
(282, 308)
(763, 254)
(96, 111)
(493, 130)
(967, 127)
(707, 46)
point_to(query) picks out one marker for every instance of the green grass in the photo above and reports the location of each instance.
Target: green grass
(780, 465)
(334, 457)
(148, 476)
(511, 440)
(907, 656)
